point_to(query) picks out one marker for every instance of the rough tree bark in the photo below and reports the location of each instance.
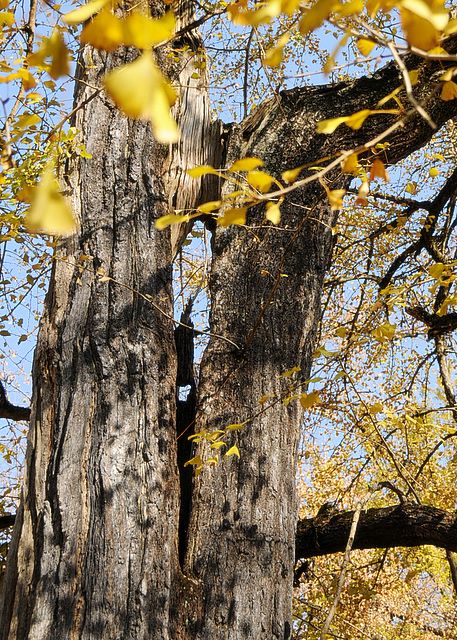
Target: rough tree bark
(95, 549)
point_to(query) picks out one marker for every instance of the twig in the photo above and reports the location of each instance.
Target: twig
(347, 553)
(408, 86)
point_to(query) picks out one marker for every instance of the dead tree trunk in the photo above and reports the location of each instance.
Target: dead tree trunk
(95, 551)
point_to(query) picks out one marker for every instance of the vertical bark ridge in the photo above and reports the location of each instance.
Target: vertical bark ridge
(185, 419)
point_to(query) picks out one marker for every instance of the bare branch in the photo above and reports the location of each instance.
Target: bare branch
(406, 525)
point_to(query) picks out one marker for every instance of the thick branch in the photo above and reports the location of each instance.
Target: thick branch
(283, 128)
(7, 520)
(11, 411)
(407, 525)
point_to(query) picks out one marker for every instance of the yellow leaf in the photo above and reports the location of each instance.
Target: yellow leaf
(390, 96)
(349, 8)
(335, 198)
(268, 10)
(411, 188)
(433, 11)
(341, 332)
(448, 74)
(104, 31)
(49, 213)
(290, 372)
(218, 445)
(358, 118)
(414, 76)
(233, 216)
(53, 47)
(209, 207)
(274, 56)
(315, 16)
(365, 46)
(364, 190)
(308, 400)
(236, 426)
(377, 407)
(329, 126)
(351, 165)
(273, 212)
(436, 270)
(291, 174)
(28, 82)
(143, 32)
(329, 65)
(233, 451)
(433, 172)
(449, 91)
(419, 32)
(197, 460)
(202, 170)
(165, 221)
(451, 27)
(7, 18)
(140, 90)
(378, 170)
(86, 11)
(384, 332)
(27, 120)
(246, 164)
(260, 180)
(60, 57)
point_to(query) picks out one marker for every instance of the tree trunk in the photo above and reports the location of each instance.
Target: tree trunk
(95, 549)
(97, 533)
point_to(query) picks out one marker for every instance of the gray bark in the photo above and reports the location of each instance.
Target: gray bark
(95, 549)
(101, 489)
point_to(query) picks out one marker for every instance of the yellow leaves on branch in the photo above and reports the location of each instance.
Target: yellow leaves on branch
(424, 22)
(274, 56)
(141, 91)
(49, 213)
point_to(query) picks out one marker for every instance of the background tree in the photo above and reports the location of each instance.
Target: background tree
(99, 549)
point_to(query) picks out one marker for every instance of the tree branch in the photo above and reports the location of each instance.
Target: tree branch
(282, 130)
(407, 525)
(11, 411)
(7, 520)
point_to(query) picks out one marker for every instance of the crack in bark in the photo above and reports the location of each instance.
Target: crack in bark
(185, 419)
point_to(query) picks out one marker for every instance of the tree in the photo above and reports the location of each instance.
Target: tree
(101, 548)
